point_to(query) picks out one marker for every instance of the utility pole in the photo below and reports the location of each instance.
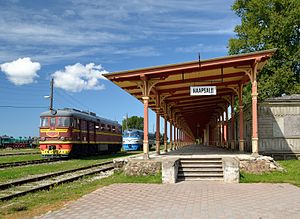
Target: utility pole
(51, 94)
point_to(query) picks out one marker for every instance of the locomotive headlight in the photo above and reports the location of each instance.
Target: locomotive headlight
(62, 138)
(42, 138)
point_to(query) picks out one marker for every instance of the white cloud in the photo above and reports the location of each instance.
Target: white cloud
(78, 77)
(21, 71)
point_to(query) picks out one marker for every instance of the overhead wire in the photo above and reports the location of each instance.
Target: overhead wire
(23, 107)
(19, 97)
(70, 99)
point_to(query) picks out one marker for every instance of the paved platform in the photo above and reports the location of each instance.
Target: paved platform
(186, 200)
(198, 149)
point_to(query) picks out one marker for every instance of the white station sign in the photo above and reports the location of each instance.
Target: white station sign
(203, 90)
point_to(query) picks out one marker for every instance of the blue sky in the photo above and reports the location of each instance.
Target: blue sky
(76, 41)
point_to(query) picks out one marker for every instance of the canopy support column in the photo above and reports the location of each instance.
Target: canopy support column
(171, 137)
(222, 129)
(226, 128)
(165, 134)
(157, 134)
(146, 117)
(254, 109)
(241, 127)
(204, 137)
(175, 141)
(181, 137)
(232, 123)
(207, 135)
(254, 119)
(179, 143)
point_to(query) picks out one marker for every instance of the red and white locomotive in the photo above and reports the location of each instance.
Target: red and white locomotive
(71, 132)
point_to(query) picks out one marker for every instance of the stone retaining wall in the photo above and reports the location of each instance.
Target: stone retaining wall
(170, 170)
(231, 169)
(169, 167)
(136, 167)
(259, 164)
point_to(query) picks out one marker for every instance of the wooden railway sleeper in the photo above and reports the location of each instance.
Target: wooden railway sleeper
(35, 186)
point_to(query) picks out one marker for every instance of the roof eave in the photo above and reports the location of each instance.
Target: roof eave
(249, 56)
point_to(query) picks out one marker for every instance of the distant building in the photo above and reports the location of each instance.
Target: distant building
(278, 127)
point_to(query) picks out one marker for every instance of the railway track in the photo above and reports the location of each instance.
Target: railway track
(20, 153)
(22, 187)
(28, 162)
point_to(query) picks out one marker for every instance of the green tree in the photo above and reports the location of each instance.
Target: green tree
(161, 138)
(133, 122)
(267, 24)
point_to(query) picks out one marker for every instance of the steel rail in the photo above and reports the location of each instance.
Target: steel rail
(20, 153)
(28, 162)
(37, 182)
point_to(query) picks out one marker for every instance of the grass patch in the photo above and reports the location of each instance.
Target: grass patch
(290, 175)
(121, 178)
(9, 174)
(43, 201)
(14, 151)
(17, 158)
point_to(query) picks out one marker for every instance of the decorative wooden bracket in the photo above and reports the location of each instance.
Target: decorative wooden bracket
(251, 71)
(234, 88)
(222, 107)
(227, 98)
(163, 97)
(146, 85)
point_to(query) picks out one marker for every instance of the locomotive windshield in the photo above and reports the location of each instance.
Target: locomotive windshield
(56, 121)
(52, 121)
(132, 134)
(44, 122)
(63, 122)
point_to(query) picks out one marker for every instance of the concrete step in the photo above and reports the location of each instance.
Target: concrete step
(201, 165)
(204, 169)
(199, 174)
(200, 169)
(199, 179)
(200, 160)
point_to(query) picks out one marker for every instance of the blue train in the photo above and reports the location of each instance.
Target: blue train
(133, 139)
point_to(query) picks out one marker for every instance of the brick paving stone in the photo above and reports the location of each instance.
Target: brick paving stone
(186, 200)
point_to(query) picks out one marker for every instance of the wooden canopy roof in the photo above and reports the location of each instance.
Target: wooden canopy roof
(168, 86)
